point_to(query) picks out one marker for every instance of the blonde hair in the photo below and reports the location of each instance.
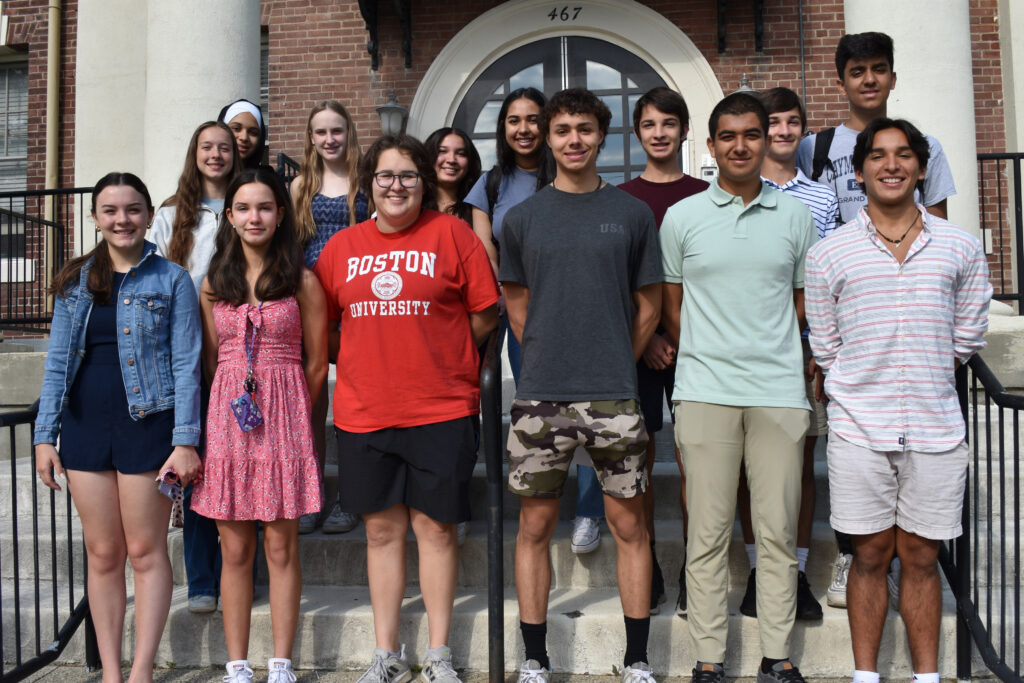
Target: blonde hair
(312, 172)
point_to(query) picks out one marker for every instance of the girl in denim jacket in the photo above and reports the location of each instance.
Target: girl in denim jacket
(122, 310)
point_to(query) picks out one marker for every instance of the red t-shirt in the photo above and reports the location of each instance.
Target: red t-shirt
(403, 300)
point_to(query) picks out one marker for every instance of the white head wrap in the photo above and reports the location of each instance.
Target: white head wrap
(243, 107)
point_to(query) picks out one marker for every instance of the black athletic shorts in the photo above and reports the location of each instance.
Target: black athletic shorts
(426, 468)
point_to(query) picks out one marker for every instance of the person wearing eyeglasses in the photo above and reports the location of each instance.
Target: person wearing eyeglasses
(410, 296)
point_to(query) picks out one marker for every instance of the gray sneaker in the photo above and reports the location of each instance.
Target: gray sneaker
(307, 523)
(532, 672)
(783, 672)
(438, 669)
(386, 668)
(202, 604)
(638, 672)
(340, 522)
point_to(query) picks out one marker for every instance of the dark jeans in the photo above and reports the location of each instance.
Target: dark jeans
(202, 551)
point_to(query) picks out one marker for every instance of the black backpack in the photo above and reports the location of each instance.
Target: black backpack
(822, 143)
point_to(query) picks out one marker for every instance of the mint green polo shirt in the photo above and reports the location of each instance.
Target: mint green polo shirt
(738, 340)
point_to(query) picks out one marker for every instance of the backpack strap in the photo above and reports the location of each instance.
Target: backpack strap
(822, 144)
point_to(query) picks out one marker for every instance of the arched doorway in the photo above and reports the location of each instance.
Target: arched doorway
(625, 25)
(618, 77)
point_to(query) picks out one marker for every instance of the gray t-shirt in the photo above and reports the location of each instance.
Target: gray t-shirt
(513, 189)
(581, 256)
(938, 181)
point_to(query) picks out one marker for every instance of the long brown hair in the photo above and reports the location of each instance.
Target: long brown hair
(282, 264)
(312, 172)
(101, 277)
(190, 194)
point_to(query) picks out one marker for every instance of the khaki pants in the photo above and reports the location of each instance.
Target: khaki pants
(714, 440)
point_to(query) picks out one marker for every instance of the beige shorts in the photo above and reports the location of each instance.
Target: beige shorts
(819, 418)
(871, 491)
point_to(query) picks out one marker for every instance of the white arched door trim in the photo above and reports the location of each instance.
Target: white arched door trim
(510, 25)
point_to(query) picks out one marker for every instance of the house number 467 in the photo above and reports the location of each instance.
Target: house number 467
(565, 14)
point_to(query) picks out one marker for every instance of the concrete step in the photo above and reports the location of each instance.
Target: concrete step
(585, 635)
(340, 559)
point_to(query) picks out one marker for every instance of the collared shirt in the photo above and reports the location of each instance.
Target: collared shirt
(738, 266)
(819, 198)
(888, 333)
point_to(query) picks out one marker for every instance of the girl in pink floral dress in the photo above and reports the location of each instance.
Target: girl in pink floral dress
(265, 343)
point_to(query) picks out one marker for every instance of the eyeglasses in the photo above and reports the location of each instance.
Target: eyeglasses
(408, 180)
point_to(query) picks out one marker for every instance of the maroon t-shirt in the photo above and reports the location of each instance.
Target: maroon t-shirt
(660, 196)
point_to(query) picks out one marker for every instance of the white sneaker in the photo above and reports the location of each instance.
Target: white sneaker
(532, 672)
(892, 581)
(638, 672)
(586, 535)
(279, 670)
(238, 672)
(836, 593)
(340, 522)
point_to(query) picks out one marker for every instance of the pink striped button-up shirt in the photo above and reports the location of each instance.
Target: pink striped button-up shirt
(887, 333)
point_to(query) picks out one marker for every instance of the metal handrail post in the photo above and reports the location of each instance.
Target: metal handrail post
(490, 398)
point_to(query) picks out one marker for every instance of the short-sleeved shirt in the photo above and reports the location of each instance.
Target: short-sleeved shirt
(581, 256)
(839, 175)
(660, 196)
(819, 198)
(406, 356)
(738, 265)
(514, 188)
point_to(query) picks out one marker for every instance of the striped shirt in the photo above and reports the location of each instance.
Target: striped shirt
(818, 197)
(887, 333)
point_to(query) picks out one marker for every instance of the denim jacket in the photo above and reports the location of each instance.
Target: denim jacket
(159, 340)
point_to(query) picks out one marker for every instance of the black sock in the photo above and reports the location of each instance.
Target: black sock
(535, 642)
(767, 664)
(637, 631)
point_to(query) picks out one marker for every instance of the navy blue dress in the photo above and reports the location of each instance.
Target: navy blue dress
(97, 432)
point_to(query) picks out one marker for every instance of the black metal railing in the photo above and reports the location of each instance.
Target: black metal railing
(42, 577)
(983, 566)
(287, 168)
(39, 230)
(494, 458)
(999, 181)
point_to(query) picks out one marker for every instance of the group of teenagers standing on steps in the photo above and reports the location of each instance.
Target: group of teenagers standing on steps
(388, 264)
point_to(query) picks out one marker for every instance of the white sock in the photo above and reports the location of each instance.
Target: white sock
(865, 676)
(279, 663)
(752, 554)
(926, 678)
(801, 559)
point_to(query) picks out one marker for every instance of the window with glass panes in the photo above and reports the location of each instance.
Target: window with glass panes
(615, 75)
(13, 141)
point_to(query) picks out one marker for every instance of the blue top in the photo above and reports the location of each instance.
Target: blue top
(513, 189)
(330, 214)
(159, 340)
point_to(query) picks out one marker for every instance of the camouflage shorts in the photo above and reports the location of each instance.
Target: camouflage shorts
(544, 434)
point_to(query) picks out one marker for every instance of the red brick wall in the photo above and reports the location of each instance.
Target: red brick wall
(28, 29)
(27, 33)
(995, 214)
(330, 61)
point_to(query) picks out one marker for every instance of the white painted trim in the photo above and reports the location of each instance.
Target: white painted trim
(513, 24)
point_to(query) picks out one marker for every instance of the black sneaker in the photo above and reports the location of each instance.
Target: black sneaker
(706, 672)
(807, 608)
(748, 607)
(681, 601)
(657, 585)
(783, 672)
